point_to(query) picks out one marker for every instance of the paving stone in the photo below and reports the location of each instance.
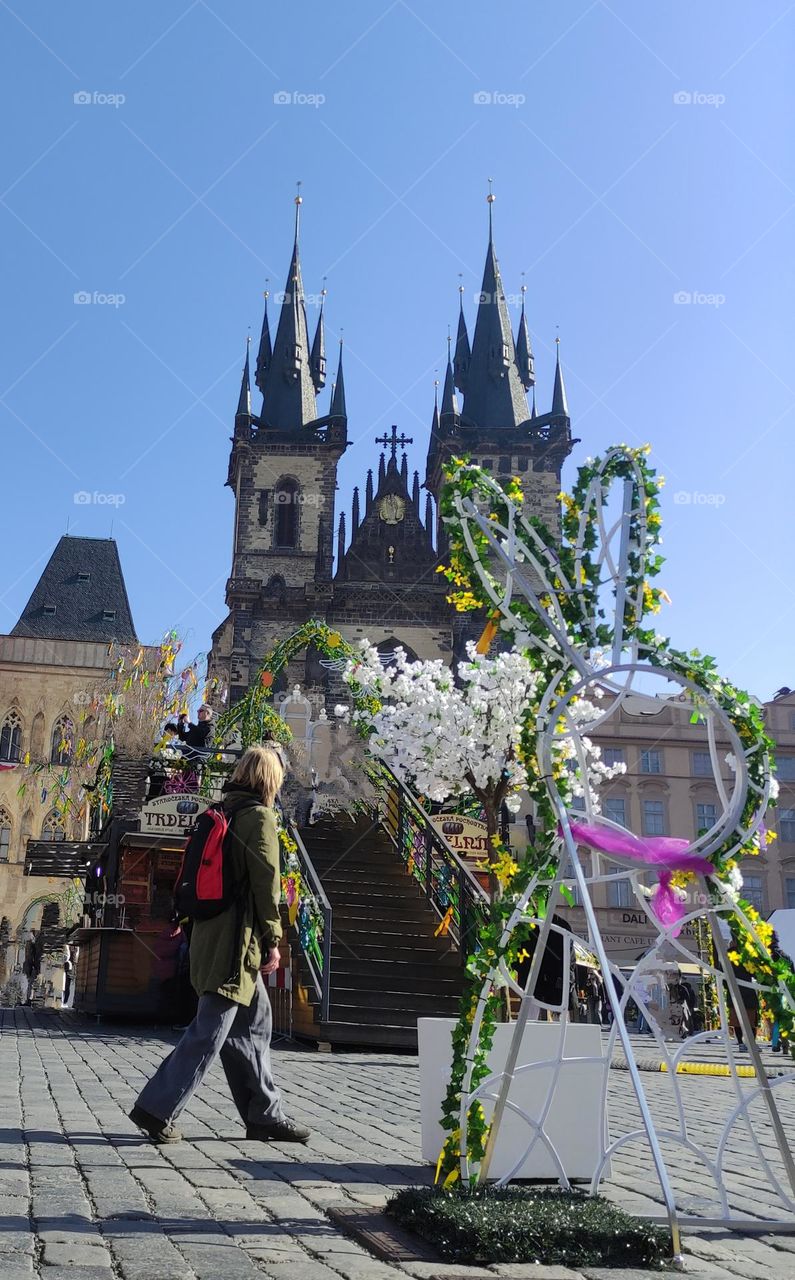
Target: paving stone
(79, 1255)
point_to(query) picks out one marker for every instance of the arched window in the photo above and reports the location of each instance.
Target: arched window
(53, 828)
(11, 737)
(286, 500)
(5, 833)
(63, 741)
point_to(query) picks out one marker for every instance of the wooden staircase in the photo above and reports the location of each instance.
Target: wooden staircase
(387, 968)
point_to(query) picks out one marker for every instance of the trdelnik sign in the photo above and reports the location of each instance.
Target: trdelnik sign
(172, 814)
(468, 836)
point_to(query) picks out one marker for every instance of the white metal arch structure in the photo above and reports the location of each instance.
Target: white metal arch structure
(523, 569)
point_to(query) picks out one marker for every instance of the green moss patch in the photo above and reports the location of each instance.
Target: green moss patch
(521, 1224)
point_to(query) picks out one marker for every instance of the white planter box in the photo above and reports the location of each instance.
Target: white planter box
(574, 1124)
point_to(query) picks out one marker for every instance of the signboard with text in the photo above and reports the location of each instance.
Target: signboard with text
(468, 836)
(173, 814)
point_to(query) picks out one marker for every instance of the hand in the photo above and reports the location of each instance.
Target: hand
(273, 961)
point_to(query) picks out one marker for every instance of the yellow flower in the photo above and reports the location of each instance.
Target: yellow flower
(733, 957)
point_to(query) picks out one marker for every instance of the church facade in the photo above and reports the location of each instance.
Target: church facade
(370, 572)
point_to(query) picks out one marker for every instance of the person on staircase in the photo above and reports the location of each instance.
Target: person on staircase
(228, 955)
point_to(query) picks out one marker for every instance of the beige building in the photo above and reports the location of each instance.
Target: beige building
(50, 664)
(667, 789)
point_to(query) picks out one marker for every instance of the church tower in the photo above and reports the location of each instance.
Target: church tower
(283, 473)
(494, 426)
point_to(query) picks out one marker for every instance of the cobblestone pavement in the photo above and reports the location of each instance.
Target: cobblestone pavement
(84, 1196)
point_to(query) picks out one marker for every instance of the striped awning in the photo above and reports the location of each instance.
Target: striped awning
(65, 858)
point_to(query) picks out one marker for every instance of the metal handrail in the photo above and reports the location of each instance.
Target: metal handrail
(319, 965)
(448, 883)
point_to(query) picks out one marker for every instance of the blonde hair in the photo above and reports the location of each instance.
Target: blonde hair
(260, 770)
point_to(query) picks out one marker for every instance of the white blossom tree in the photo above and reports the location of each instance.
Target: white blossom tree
(450, 732)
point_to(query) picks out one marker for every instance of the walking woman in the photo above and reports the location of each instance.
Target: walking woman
(233, 1020)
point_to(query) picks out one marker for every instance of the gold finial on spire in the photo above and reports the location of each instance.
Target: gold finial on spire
(490, 198)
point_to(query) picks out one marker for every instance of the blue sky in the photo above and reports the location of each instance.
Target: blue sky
(638, 153)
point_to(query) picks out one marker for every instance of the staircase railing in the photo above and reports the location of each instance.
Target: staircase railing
(452, 890)
(313, 925)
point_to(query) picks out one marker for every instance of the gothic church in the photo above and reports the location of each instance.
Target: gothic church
(382, 583)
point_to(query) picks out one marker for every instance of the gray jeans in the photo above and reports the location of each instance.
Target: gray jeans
(242, 1037)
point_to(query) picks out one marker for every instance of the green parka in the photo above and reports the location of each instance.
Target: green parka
(226, 952)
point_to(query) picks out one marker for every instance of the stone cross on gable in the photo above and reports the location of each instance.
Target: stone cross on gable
(393, 441)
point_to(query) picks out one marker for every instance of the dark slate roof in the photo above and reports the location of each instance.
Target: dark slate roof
(80, 605)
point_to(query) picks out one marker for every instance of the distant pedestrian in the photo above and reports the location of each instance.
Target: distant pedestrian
(750, 1001)
(227, 952)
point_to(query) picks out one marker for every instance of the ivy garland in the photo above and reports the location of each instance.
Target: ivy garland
(574, 574)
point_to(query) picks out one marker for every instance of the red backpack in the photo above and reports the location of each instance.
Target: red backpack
(205, 886)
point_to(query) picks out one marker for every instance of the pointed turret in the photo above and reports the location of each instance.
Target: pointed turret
(243, 414)
(494, 397)
(318, 357)
(533, 411)
(463, 354)
(429, 516)
(264, 351)
(449, 398)
(338, 409)
(524, 352)
(288, 390)
(368, 492)
(404, 471)
(341, 539)
(381, 470)
(415, 492)
(560, 405)
(355, 519)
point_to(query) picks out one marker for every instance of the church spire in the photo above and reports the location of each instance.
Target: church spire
(338, 409)
(244, 399)
(288, 390)
(341, 540)
(429, 517)
(494, 397)
(415, 492)
(449, 398)
(318, 357)
(534, 411)
(355, 518)
(265, 351)
(524, 352)
(368, 492)
(463, 353)
(560, 404)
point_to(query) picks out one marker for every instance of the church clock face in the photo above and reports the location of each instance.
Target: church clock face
(392, 509)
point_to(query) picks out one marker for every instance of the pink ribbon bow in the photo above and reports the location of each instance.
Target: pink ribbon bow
(664, 852)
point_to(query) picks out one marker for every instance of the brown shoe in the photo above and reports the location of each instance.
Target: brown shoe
(157, 1130)
(277, 1131)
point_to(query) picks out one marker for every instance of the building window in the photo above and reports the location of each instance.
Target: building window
(651, 762)
(62, 741)
(487, 464)
(505, 466)
(286, 502)
(786, 825)
(619, 891)
(785, 768)
(585, 863)
(262, 510)
(753, 891)
(702, 764)
(792, 721)
(11, 738)
(613, 755)
(49, 610)
(84, 577)
(706, 817)
(523, 466)
(653, 818)
(108, 615)
(789, 889)
(5, 834)
(53, 828)
(615, 808)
